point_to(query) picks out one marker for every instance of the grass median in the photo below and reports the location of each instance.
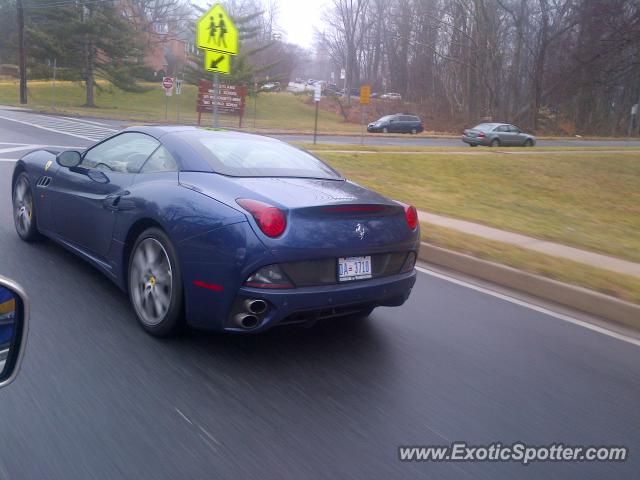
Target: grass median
(590, 201)
(624, 287)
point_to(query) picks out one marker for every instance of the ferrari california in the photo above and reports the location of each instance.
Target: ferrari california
(220, 230)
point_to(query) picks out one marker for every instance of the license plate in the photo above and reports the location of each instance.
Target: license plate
(354, 268)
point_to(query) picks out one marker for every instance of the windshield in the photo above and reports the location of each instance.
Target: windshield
(258, 157)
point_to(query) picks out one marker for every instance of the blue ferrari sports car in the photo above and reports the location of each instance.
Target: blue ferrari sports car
(220, 230)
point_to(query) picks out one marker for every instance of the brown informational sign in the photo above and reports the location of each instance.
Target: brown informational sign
(230, 99)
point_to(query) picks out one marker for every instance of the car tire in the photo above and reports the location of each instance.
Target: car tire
(155, 284)
(473, 145)
(495, 143)
(528, 142)
(24, 209)
(385, 130)
(413, 131)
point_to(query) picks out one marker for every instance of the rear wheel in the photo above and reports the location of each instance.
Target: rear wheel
(155, 283)
(528, 142)
(24, 214)
(385, 130)
(473, 145)
(495, 142)
(414, 131)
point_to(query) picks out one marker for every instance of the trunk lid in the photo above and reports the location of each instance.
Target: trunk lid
(325, 218)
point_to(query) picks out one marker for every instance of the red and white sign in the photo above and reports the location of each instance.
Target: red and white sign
(167, 84)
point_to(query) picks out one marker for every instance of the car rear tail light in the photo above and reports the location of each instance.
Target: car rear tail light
(481, 135)
(271, 220)
(411, 214)
(270, 276)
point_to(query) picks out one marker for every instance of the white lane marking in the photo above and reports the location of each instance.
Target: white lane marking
(48, 129)
(531, 306)
(209, 435)
(29, 145)
(17, 149)
(183, 415)
(110, 127)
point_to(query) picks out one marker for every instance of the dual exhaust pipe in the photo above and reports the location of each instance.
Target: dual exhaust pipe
(250, 317)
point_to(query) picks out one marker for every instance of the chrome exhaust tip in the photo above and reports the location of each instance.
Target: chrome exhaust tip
(256, 307)
(246, 321)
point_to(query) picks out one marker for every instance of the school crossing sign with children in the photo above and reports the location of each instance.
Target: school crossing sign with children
(218, 37)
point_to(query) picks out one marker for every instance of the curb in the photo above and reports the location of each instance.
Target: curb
(578, 298)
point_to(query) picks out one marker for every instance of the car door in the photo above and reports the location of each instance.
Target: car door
(518, 137)
(502, 133)
(395, 125)
(87, 197)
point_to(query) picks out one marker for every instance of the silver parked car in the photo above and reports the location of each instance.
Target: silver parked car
(496, 135)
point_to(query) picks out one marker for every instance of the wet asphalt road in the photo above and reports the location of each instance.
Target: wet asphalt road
(98, 398)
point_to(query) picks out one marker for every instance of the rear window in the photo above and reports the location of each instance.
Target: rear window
(256, 157)
(485, 127)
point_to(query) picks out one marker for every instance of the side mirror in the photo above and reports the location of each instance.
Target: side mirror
(14, 325)
(69, 158)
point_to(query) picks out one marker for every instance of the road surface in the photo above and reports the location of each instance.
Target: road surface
(99, 398)
(369, 139)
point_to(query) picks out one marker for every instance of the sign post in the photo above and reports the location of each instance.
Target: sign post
(365, 99)
(178, 92)
(317, 93)
(167, 84)
(216, 96)
(218, 37)
(255, 103)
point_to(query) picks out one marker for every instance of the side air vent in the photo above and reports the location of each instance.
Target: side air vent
(44, 181)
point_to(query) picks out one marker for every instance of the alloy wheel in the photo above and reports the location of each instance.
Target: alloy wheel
(151, 281)
(22, 206)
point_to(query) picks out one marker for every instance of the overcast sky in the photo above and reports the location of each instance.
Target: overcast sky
(297, 19)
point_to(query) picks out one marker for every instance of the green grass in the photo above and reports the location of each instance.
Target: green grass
(590, 201)
(275, 111)
(613, 284)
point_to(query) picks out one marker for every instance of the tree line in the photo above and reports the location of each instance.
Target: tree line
(109, 39)
(554, 65)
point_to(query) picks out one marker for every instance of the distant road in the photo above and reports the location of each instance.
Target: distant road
(94, 129)
(420, 141)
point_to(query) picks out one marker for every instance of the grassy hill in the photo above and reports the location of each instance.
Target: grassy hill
(274, 111)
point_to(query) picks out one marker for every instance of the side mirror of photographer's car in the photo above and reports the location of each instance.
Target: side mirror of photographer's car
(14, 325)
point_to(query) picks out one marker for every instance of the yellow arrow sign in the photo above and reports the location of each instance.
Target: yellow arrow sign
(217, 61)
(215, 31)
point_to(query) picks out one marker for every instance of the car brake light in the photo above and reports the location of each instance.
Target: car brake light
(271, 220)
(481, 135)
(411, 214)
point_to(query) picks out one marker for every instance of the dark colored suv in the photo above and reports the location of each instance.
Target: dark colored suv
(399, 123)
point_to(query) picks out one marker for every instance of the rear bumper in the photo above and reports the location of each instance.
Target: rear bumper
(308, 303)
(474, 140)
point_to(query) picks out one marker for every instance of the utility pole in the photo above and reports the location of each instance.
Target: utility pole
(22, 54)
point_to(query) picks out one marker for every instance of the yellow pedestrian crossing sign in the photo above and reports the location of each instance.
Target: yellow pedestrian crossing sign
(215, 31)
(219, 62)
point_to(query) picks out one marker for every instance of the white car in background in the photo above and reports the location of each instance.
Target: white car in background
(391, 96)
